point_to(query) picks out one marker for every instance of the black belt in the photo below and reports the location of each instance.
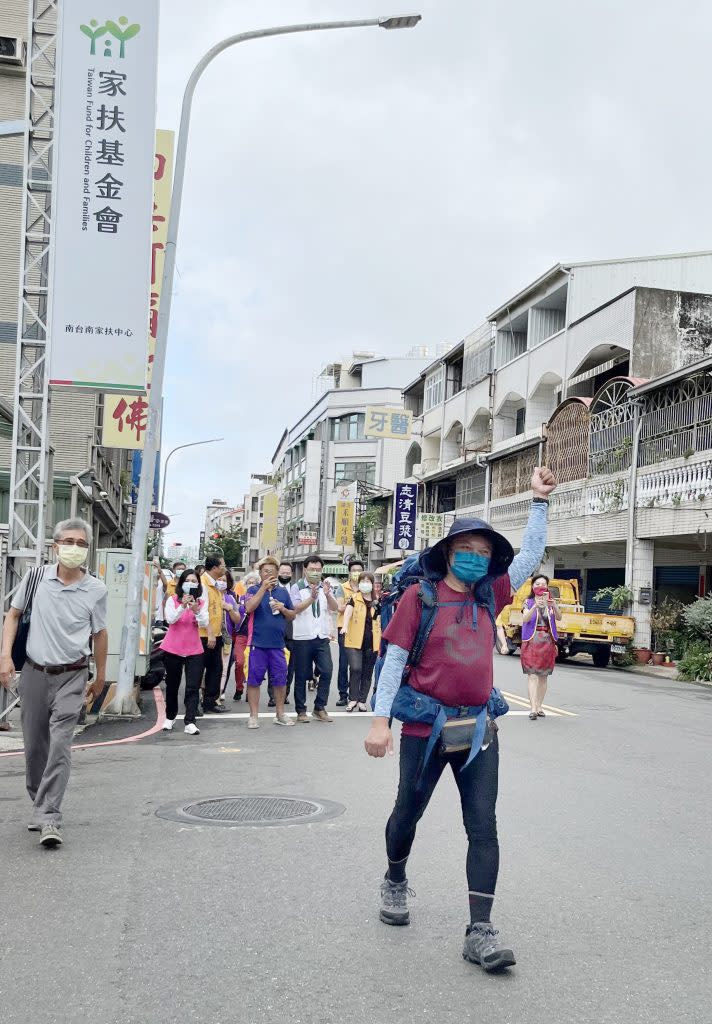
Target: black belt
(58, 670)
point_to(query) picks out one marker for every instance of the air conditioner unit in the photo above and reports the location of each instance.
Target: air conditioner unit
(13, 51)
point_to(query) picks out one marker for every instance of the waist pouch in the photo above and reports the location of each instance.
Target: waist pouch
(457, 728)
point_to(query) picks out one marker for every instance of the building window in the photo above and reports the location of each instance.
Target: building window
(520, 420)
(478, 362)
(364, 472)
(255, 504)
(470, 488)
(348, 428)
(434, 386)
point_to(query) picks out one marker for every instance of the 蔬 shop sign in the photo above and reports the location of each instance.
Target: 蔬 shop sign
(105, 102)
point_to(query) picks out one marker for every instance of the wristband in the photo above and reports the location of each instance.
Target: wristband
(540, 501)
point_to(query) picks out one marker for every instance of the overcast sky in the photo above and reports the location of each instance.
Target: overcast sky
(389, 189)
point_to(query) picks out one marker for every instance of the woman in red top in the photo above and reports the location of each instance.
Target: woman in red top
(472, 565)
(539, 648)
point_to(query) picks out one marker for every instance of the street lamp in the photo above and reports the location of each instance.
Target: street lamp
(193, 444)
(123, 701)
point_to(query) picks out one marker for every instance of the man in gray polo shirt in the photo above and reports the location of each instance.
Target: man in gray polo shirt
(69, 607)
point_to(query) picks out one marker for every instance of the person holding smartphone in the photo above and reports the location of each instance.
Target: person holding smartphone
(539, 642)
(269, 607)
(186, 614)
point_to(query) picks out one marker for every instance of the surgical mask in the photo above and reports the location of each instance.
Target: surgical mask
(187, 587)
(470, 567)
(71, 556)
(314, 577)
(221, 584)
(365, 587)
(284, 579)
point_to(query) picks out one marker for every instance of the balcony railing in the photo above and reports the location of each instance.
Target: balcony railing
(676, 485)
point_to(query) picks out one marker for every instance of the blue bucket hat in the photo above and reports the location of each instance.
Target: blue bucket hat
(435, 558)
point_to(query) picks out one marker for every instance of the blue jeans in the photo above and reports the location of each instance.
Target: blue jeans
(307, 653)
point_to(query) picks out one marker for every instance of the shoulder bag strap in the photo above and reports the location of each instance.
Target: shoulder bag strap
(35, 576)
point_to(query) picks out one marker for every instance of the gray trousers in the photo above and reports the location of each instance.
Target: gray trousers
(51, 706)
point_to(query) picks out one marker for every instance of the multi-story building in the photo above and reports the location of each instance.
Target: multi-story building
(87, 479)
(327, 449)
(601, 371)
(260, 519)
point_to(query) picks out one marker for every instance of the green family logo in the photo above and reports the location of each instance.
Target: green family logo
(121, 33)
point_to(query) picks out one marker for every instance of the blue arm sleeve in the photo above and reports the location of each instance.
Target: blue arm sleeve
(389, 680)
(533, 545)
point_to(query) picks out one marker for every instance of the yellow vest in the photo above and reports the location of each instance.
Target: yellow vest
(349, 591)
(215, 608)
(171, 587)
(357, 625)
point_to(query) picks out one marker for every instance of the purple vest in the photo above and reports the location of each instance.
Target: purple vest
(529, 627)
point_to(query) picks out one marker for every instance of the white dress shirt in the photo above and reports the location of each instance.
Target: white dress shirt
(307, 625)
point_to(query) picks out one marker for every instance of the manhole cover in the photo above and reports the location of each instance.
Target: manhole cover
(251, 810)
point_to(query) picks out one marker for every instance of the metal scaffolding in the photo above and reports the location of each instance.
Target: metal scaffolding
(30, 468)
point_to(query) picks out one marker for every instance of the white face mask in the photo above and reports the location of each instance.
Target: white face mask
(188, 586)
(221, 584)
(366, 587)
(71, 556)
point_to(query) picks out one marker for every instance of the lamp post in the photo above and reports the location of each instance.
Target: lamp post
(193, 444)
(123, 702)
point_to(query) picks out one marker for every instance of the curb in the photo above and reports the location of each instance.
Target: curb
(670, 674)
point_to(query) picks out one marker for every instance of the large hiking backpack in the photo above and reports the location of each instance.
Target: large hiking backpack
(414, 571)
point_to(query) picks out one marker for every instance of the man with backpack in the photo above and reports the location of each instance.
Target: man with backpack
(437, 679)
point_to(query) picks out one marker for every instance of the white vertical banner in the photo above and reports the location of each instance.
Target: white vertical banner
(105, 107)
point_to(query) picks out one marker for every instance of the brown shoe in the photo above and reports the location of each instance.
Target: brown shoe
(302, 719)
(321, 716)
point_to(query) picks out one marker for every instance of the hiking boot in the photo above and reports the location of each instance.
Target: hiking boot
(484, 948)
(394, 902)
(302, 718)
(321, 715)
(51, 835)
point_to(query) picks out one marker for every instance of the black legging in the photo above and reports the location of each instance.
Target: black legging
(478, 795)
(360, 673)
(193, 672)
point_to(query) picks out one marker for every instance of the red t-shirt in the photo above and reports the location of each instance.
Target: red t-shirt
(456, 667)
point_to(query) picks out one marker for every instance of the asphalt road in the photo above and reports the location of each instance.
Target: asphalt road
(605, 888)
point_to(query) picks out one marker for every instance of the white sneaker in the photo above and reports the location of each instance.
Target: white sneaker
(192, 729)
(283, 720)
(352, 705)
(253, 723)
(168, 725)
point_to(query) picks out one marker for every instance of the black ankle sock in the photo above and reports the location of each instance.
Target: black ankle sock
(480, 908)
(396, 871)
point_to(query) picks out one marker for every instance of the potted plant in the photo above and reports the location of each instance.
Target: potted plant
(642, 655)
(665, 621)
(621, 597)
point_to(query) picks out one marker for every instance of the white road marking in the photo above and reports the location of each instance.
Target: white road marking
(231, 716)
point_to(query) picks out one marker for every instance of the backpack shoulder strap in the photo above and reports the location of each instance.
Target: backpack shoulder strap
(428, 597)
